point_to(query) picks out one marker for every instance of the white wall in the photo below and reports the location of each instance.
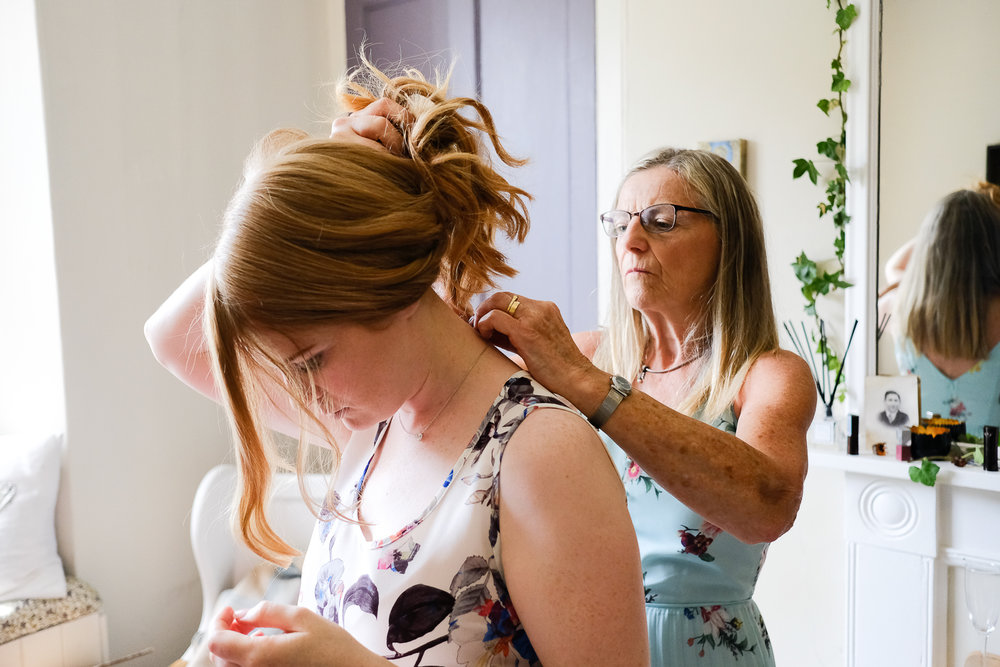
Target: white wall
(29, 323)
(150, 109)
(695, 72)
(940, 102)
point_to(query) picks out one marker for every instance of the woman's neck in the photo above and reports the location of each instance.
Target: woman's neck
(669, 341)
(450, 352)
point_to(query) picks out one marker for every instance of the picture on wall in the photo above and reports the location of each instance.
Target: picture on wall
(734, 150)
(892, 405)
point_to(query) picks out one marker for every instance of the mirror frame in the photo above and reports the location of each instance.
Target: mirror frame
(864, 59)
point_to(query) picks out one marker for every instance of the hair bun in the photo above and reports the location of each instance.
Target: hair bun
(449, 139)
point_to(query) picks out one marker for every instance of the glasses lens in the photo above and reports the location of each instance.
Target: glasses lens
(658, 218)
(615, 222)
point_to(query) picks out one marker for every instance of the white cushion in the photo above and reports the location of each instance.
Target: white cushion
(30, 566)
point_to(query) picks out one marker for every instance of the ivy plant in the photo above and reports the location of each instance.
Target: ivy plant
(926, 474)
(815, 280)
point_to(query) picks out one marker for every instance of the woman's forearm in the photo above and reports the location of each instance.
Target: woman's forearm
(749, 484)
(717, 475)
(176, 337)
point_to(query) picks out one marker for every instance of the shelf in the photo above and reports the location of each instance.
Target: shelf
(885, 466)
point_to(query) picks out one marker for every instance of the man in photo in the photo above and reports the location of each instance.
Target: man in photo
(891, 415)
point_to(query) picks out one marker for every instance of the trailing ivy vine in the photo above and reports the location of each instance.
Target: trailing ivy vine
(817, 281)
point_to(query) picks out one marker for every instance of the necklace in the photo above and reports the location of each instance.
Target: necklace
(646, 369)
(419, 435)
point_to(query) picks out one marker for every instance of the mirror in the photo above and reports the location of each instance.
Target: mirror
(939, 112)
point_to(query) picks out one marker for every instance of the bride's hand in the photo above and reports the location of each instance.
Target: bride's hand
(377, 125)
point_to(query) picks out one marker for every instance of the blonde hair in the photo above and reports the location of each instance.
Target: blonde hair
(737, 322)
(324, 231)
(952, 275)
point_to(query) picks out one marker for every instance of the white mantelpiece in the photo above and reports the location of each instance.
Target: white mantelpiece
(901, 539)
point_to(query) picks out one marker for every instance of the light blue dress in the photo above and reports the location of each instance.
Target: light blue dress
(973, 397)
(698, 580)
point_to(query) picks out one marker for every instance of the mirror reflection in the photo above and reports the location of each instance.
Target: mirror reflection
(939, 101)
(946, 309)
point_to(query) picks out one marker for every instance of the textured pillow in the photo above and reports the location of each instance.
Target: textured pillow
(30, 566)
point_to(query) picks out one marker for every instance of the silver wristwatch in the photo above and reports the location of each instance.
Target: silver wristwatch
(620, 388)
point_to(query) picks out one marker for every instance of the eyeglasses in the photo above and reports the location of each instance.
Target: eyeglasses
(655, 219)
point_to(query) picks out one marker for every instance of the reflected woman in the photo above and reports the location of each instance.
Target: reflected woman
(947, 311)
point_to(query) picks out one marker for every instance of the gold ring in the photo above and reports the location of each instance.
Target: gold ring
(512, 306)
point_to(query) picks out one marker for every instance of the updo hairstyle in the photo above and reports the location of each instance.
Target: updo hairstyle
(324, 231)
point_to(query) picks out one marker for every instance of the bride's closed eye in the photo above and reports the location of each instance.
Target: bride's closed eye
(309, 365)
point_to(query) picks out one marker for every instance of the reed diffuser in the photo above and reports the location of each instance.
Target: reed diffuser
(827, 369)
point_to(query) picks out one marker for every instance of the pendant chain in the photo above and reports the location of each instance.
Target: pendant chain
(646, 369)
(419, 435)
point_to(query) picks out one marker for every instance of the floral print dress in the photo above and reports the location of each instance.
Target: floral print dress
(698, 580)
(433, 592)
(972, 397)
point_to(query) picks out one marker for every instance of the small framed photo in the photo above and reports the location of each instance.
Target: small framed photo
(734, 150)
(892, 405)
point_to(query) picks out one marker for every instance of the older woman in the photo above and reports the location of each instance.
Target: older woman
(705, 415)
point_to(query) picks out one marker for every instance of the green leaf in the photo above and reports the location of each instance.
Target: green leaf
(803, 166)
(842, 171)
(828, 147)
(835, 64)
(926, 474)
(846, 16)
(840, 83)
(824, 106)
(977, 456)
(805, 269)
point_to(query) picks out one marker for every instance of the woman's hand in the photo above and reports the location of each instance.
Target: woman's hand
(308, 640)
(537, 333)
(377, 125)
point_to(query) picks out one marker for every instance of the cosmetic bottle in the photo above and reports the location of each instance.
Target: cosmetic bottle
(990, 448)
(852, 436)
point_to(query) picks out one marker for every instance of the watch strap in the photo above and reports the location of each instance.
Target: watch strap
(620, 388)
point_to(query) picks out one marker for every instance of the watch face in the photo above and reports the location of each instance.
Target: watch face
(621, 384)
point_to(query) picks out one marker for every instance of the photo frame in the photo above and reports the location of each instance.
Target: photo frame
(734, 150)
(892, 405)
